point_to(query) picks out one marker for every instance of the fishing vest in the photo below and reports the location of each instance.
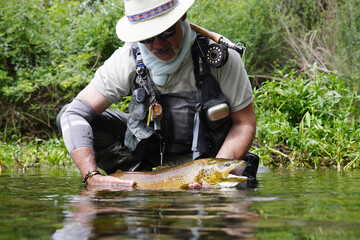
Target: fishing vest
(177, 122)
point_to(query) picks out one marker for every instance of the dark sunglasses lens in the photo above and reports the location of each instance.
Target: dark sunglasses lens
(164, 35)
(168, 33)
(147, 41)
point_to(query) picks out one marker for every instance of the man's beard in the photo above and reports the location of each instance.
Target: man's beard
(176, 50)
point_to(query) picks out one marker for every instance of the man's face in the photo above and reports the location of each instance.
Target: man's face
(166, 49)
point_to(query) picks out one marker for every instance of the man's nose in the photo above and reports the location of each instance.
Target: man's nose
(158, 42)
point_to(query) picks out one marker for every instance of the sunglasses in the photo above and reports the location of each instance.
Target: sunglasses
(164, 35)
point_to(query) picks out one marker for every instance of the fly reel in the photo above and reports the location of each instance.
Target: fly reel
(217, 55)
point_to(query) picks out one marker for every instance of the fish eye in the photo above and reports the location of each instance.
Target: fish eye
(227, 164)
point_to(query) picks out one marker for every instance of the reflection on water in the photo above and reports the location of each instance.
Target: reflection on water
(159, 214)
(287, 204)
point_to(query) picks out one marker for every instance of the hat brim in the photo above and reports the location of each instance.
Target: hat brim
(134, 32)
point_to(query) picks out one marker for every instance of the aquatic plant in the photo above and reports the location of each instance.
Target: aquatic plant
(24, 153)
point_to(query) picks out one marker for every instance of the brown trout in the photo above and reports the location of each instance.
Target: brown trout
(209, 170)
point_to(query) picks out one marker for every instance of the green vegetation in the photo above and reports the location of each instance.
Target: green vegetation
(308, 121)
(303, 58)
(49, 51)
(23, 154)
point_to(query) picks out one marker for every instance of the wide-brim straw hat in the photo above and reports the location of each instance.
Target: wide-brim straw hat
(147, 18)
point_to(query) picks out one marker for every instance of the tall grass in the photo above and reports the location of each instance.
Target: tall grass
(329, 35)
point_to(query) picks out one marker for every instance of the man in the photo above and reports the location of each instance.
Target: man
(171, 81)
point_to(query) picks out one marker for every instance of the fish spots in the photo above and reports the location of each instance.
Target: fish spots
(206, 174)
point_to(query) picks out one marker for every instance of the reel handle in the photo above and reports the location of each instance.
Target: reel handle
(212, 35)
(217, 38)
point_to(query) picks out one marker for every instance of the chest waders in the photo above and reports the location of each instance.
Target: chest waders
(183, 126)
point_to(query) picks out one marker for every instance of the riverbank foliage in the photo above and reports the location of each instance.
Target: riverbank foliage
(303, 59)
(308, 121)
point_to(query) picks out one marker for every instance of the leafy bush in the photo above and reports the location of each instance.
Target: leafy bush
(49, 52)
(308, 122)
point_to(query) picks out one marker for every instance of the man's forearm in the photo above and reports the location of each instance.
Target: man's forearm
(84, 159)
(241, 134)
(237, 142)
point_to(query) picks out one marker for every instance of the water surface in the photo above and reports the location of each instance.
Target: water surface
(288, 204)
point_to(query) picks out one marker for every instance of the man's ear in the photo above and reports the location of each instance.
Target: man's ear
(184, 17)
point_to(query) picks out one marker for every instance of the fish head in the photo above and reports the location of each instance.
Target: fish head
(217, 169)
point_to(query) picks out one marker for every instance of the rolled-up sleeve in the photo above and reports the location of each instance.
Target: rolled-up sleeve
(114, 78)
(234, 82)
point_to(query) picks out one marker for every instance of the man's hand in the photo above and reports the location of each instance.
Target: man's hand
(85, 160)
(203, 185)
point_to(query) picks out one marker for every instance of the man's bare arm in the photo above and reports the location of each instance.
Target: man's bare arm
(241, 134)
(84, 157)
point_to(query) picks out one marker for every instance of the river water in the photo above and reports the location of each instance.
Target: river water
(288, 204)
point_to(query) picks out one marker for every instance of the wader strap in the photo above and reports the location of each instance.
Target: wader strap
(198, 57)
(142, 78)
(143, 81)
(199, 144)
(206, 140)
(201, 69)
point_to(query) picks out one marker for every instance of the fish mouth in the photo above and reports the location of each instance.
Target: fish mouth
(235, 173)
